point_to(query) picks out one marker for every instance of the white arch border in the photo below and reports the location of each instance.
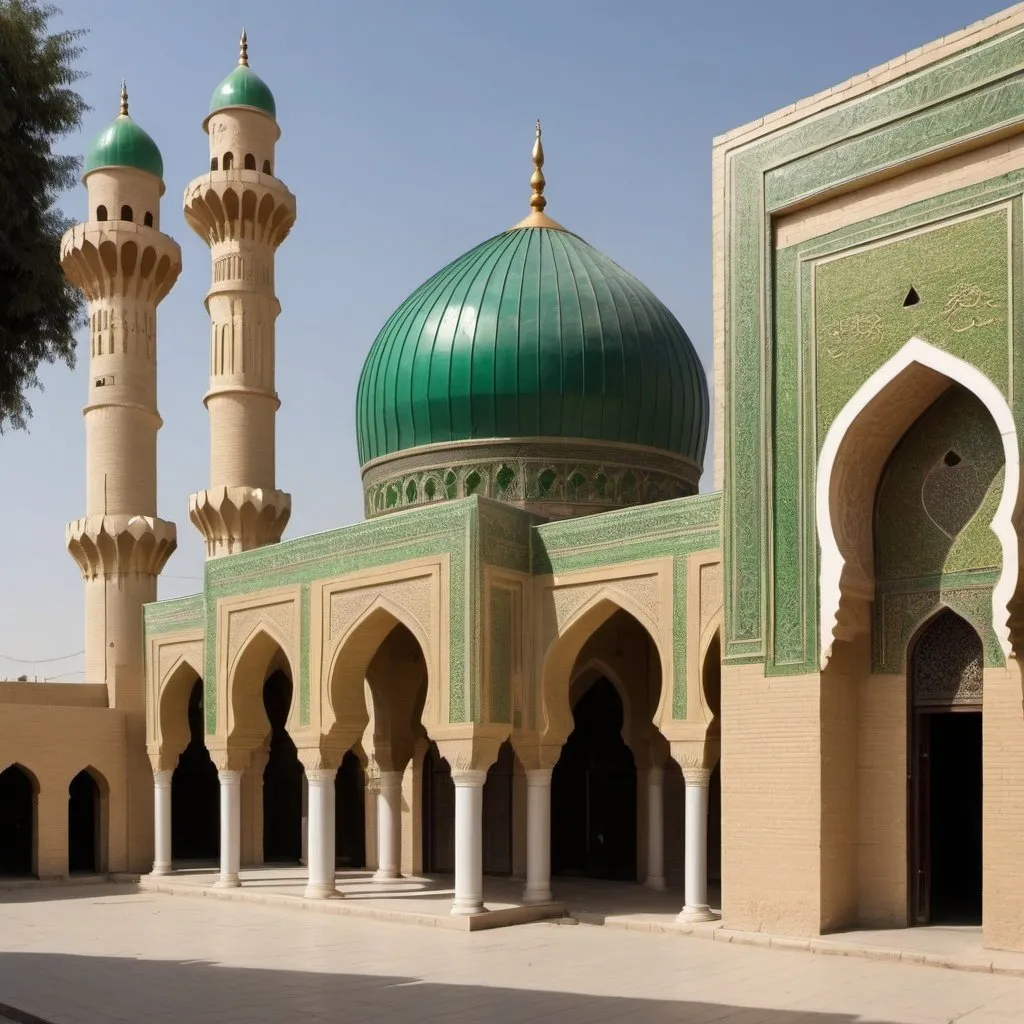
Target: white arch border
(961, 372)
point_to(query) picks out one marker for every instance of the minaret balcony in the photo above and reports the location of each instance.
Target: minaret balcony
(120, 545)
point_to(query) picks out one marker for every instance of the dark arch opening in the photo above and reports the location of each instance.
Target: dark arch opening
(712, 680)
(282, 778)
(101, 213)
(946, 667)
(497, 813)
(228, 159)
(593, 793)
(148, 219)
(438, 814)
(84, 824)
(213, 163)
(266, 167)
(17, 821)
(126, 213)
(250, 162)
(195, 792)
(350, 814)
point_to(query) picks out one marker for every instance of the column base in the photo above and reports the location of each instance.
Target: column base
(658, 884)
(696, 914)
(468, 908)
(386, 874)
(227, 882)
(162, 869)
(321, 892)
(537, 896)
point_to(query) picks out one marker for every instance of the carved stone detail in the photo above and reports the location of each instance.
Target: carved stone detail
(711, 594)
(169, 654)
(643, 592)
(233, 519)
(413, 596)
(120, 545)
(279, 615)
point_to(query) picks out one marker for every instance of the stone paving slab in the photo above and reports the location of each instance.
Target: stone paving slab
(112, 953)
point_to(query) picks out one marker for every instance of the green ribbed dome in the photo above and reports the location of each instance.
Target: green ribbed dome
(124, 144)
(243, 88)
(533, 334)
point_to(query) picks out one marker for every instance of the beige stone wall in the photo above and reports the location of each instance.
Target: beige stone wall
(54, 741)
(1003, 803)
(771, 801)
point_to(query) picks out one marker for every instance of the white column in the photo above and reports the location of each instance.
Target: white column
(162, 822)
(320, 884)
(696, 849)
(538, 836)
(389, 827)
(655, 827)
(469, 852)
(304, 852)
(230, 827)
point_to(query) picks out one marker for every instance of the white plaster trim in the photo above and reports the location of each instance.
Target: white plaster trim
(961, 372)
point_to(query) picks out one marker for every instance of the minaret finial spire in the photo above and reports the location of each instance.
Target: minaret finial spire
(124, 98)
(243, 51)
(537, 182)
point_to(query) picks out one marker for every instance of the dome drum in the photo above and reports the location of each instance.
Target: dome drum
(551, 477)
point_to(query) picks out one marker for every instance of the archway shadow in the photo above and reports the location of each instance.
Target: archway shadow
(53, 988)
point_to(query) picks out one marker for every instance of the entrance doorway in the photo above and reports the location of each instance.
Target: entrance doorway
(195, 792)
(593, 793)
(17, 821)
(946, 773)
(282, 779)
(84, 824)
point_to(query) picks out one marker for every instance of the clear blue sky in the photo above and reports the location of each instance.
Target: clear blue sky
(407, 129)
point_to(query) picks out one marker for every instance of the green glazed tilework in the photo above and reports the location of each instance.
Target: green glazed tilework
(966, 93)
(174, 615)
(960, 274)
(502, 639)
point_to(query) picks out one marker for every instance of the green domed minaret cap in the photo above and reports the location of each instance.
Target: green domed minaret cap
(243, 87)
(124, 144)
(533, 334)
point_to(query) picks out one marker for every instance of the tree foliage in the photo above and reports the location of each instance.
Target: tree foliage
(39, 310)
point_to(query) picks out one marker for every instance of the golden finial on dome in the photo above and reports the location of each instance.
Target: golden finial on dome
(243, 51)
(124, 98)
(537, 218)
(537, 182)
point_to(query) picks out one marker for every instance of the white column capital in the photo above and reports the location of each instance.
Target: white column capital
(697, 776)
(229, 776)
(538, 776)
(320, 776)
(162, 778)
(466, 778)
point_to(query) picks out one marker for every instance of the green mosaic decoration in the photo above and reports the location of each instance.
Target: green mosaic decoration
(174, 615)
(501, 651)
(956, 279)
(977, 90)
(934, 544)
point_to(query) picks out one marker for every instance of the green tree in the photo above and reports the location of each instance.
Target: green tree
(39, 310)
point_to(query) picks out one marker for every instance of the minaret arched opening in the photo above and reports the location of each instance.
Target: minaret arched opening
(250, 162)
(228, 160)
(127, 213)
(101, 212)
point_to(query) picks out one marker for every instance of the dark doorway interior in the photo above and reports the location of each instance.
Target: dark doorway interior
(497, 824)
(438, 814)
(954, 816)
(83, 824)
(593, 793)
(350, 814)
(282, 779)
(17, 821)
(195, 793)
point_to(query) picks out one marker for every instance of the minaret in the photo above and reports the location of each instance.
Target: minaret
(125, 266)
(243, 213)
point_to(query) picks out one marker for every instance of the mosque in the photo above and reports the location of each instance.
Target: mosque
(544, 653)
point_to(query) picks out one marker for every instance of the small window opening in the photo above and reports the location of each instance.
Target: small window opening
(266, 167)
(213, 163)
(250, 162)
(126, 213)
(101, 213)
(912, 298)
(227, 161)
(951, 458)
(148, 219)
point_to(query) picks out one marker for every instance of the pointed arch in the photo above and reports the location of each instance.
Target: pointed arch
(560, 657)
(589, 673)
(850, 464)
(262, 650)
(173, 696)
(344, 696)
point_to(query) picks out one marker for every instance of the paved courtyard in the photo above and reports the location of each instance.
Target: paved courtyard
(109, 953)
